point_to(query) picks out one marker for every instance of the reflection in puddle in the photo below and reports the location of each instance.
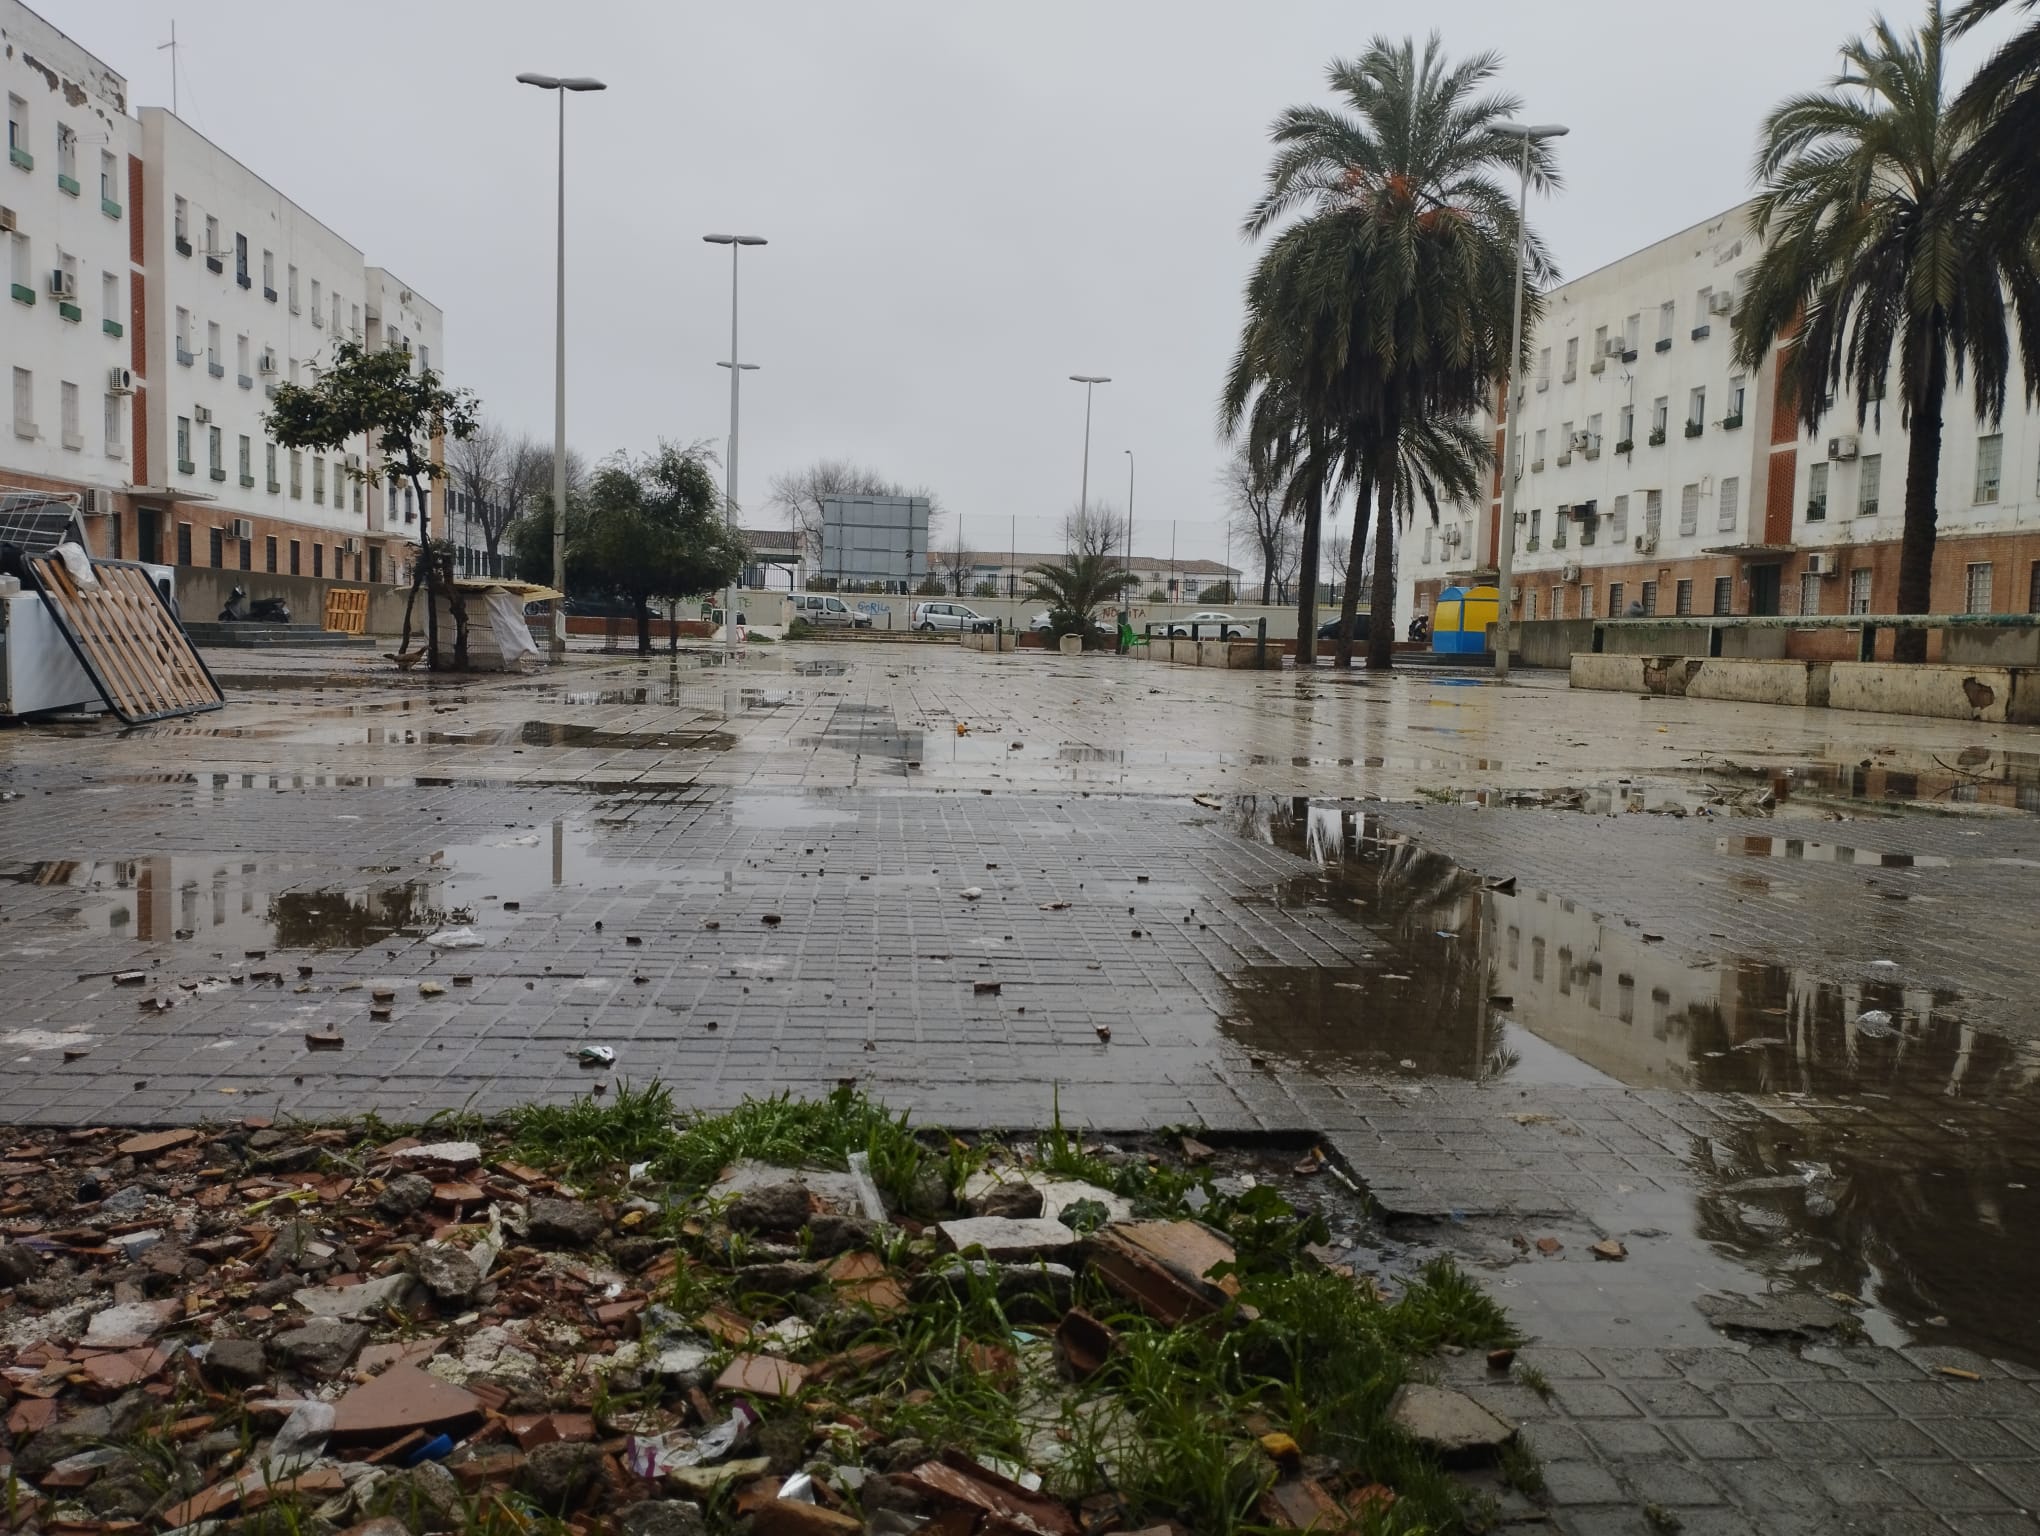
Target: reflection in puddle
(1919, 1190)
(235, 905)
(1973, 776)
(1825, 853)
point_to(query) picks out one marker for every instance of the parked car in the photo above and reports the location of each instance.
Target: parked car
(1329, 630)
(1040, 623)
(957, 616)
(825, 610)
(1223, 625)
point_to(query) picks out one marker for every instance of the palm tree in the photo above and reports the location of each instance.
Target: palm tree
(1439, 459)
(2001, 106)
(1075, 588)
(1878, 240)
(1404, 264)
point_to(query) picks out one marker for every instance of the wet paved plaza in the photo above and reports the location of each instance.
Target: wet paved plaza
(1747, 988)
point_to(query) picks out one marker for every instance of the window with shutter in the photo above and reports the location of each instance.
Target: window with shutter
(1689, 509)
(1730, 505)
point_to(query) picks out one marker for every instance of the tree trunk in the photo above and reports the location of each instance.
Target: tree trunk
(1922, 477)
(673, 628)
(410, 602)
(1307, 564)
(1381, 609)
(644, 625)
(1267, 569)
(1356, 554)
(434, 578)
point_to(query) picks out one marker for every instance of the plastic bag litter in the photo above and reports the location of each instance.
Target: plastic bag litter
(868, 1198)
(302, 1439)
(455, 938)
(1873, 1022)
(800, 1488)
(79, 564)
(652, 1456)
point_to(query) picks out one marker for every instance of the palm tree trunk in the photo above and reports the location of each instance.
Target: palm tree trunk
(1381, 614)
(1356, 558)
(1307, 565)
(1922, 477)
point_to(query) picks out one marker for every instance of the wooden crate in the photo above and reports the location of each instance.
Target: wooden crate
(127, 639)
(347, 610)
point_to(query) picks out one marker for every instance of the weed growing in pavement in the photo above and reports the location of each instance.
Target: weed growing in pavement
(1521, 1471)
(590, 1135)
(1533, 1378)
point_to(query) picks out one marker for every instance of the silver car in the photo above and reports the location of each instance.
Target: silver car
(955, 616)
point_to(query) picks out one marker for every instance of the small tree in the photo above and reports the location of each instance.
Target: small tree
(1074, 588)
(403, 412)
(931, 586)
(955, 564)
(985, 589)
(654, 530)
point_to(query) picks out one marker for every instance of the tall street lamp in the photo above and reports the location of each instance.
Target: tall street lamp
(737, 370)
(1126, 592)
(1088, 380)
(561, 85)
(1528, 134)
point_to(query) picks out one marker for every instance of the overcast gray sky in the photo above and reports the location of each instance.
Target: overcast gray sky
(966, 203)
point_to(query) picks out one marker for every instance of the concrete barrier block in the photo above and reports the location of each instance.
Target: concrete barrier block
(1665, 675)
(1941, 691)
(1801, 683)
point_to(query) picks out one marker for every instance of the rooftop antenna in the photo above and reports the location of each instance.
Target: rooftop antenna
(172, 46)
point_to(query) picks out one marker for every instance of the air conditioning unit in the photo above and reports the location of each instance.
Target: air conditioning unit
(62, 285)
(354, 546)
(243, 528)
(1582, 441)
(91, 502)
(120, 381)
(1721, 304)
(266, 363)
(1614, 348)
(1842, 447)
(1818, 564)
(202, 414)
(1646, 543)
(7, 223)
(1569, 573)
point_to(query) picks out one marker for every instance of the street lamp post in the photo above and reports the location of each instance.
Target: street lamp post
(1088, 380)
(561, 85)
(1126, 592)
(737, 370)
(1529, 134)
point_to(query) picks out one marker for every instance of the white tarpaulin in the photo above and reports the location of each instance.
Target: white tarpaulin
(512, 634)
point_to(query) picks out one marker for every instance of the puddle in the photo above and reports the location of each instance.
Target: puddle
(1918, 1192)
(1973, 776)
(1825, 853)
(229, 905)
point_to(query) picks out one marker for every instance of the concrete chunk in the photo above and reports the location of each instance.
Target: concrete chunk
(1451, 1424)
(1010, 1238)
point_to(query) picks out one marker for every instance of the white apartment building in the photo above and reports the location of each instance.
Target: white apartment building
(1656, 473)
(66, 339)
(150, 325)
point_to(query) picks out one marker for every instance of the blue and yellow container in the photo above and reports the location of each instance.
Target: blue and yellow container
(1459, 624)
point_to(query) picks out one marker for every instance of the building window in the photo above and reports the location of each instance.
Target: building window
(1537, 451)
(2033, 588)
(1976, 587)
(318, 559)
(1696, 409)
(213, 365)
(294, 557)
(17, 132)
(216, 450)
(1816, 493)
(109, 299)
(269, 465)
(67, 414)
(24, 403)
(290, 285)
(1868, 484)
(1558, 602)
(269, 275)
(216, 542)
(1565, 439)
(1530, 606)
(1648, 597)
(67, 157)
(317, 317)
(318, 480)
(180, 223)
(20, 260)
(1859, 589)
(1594, 433)
(1632, 332)
(1536, 526)
(1729, 505)
(1990, 459)
(116, 423)
(242, 371)
(247, 460)
(184, 462)
(1653, 514)
(1724, 594)
(213, 249)
(1689, 509)
(184, 543)
(1614, 599)
(241, 274)
(1543, 367)
(1667, 312)
(247, 554)
(1682, 597)
(269, 554)
(184, 336)
(297, 475)
(1427, 546)
(1572, 358)
(1660, 416)
(1736, 391)
(1587, 601)
(1618, 521)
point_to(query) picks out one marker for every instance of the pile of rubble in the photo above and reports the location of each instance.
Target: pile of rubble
(254, 1329)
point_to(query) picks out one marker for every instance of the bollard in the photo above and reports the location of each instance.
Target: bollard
(1261, 643)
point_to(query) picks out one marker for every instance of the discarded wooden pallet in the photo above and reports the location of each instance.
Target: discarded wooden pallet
(127, 639)
(347, 610)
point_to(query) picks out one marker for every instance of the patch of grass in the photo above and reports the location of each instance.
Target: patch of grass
(591, 1135)
(1445, 1307)
(1534, 1379)
(790, 1131)
(1521, 1471)
(1658, 1518)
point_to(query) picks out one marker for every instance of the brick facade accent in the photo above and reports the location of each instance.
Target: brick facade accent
(138, 323)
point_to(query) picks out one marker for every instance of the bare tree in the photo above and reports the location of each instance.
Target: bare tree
(1097, 529)
(956, 564)
(798, 496)
(1257, 499)
(478, 467)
